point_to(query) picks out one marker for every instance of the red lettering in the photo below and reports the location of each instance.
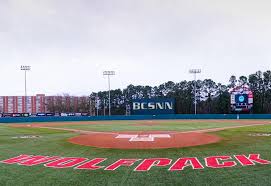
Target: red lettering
(92, 165)
(121, 162)
(37, 160)
(181, 163)
(17, 159)
(65, 163)
(28, 160)
(213, 162)
(147, 164)
(248, 161)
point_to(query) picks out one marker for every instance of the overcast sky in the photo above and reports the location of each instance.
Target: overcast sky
(69, 43)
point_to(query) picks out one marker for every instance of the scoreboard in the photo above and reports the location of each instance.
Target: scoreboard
(241, 99)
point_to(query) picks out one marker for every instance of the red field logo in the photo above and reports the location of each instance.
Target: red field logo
(142, 137)
(215, 162)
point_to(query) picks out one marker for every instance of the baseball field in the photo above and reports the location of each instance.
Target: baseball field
(155, 152)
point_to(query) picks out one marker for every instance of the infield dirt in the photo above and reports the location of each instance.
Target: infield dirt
(176, 139)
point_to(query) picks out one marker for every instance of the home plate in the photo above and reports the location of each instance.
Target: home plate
(142, 137)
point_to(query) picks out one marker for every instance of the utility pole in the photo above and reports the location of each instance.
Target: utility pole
(90, 105)
(97, 105)
(104, 107)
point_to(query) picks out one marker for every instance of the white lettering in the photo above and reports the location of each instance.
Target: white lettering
(151, 106)
(136, 106)
(169, 105)
(160, 106)
(143, 107)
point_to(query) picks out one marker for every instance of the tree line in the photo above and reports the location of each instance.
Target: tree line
(211, 97)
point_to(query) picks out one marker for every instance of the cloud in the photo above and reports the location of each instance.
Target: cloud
(69, 43)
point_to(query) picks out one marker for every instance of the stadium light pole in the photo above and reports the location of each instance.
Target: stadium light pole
(108, 74)
(25, 68)
(195, 72)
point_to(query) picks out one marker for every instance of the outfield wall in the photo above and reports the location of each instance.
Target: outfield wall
(133, 117)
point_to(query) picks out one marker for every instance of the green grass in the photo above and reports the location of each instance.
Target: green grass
(236, 141)
(161, 126)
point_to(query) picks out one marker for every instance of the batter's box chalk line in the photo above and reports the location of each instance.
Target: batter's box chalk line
(142, 137)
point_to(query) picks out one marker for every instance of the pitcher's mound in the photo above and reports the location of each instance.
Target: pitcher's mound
(144, 140)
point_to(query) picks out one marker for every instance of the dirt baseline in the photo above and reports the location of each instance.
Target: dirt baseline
(144, 140)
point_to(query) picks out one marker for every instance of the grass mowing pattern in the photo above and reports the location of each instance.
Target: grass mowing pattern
(166, 126)
(236, 141)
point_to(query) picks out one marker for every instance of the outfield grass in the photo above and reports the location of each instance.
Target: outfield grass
(150, 126)
(236, 141)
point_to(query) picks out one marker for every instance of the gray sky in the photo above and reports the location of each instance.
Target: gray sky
(69, 43)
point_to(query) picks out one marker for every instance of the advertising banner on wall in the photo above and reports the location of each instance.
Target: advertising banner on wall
(155, 106)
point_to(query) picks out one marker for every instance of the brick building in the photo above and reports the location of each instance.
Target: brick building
(41, 103)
